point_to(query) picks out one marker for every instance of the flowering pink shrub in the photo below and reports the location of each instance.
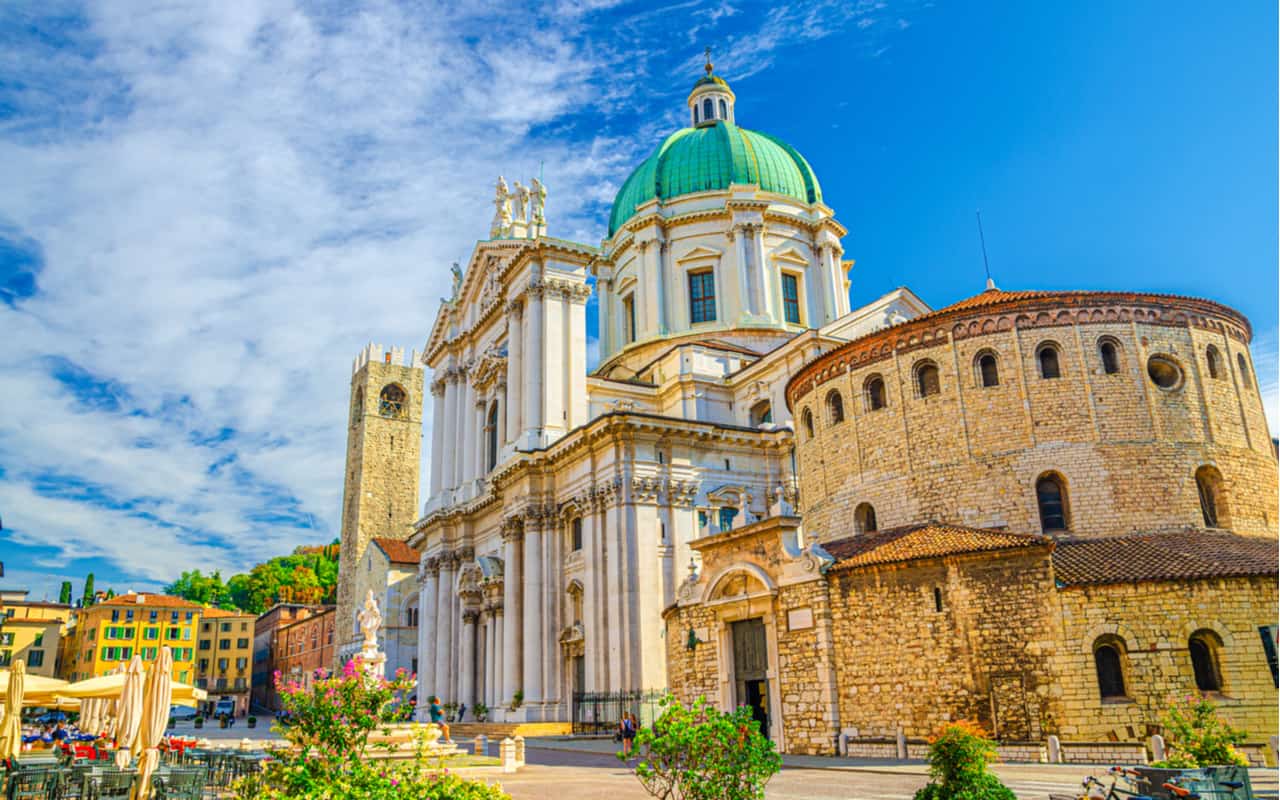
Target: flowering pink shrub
(329, 724)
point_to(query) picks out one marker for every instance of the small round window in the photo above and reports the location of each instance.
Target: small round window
(1164, 372)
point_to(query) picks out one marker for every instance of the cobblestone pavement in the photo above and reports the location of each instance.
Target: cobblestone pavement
(590, 773)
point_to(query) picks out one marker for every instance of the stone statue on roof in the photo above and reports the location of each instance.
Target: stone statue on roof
(538, 198)
(457, 280)
(521, 205)
(501, 225)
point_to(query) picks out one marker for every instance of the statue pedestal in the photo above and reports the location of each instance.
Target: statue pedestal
(373, 663)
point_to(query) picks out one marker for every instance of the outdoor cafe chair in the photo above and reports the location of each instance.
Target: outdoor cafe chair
(32, 784)
(111, 784)
(180, 784)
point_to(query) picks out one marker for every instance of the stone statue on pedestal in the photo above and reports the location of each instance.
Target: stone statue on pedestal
(372, 660)
(501, 225)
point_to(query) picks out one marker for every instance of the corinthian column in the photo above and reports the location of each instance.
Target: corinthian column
(466, 677)
(515, 373)
(512, 672)
(534, 355)
(534, 640)
(438, 425)
(427, 633)
(443, 676)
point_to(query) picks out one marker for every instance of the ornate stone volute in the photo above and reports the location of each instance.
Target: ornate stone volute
(682, 493)
(647, 489)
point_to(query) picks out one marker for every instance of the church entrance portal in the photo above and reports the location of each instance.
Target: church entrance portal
(750, 669)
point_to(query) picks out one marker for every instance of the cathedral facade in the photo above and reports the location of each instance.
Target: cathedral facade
(754, 489)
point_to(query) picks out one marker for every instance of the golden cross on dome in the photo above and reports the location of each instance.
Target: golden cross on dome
(709, 66)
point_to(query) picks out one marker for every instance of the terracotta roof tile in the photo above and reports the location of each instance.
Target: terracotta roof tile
(149, 599)
(929, 540)
(399, 552)
(1169, 555)
(216, 613)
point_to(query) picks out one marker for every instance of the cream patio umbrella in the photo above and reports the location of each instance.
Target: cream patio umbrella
(155, 715)
(37, 690)
(130, 711)
(11, 725)
(112, 685)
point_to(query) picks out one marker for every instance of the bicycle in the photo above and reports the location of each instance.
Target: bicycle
(1226, 789)
(1095, 789)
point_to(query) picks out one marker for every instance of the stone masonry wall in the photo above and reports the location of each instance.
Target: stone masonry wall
(1127, 448)
(1154, 621)
(902, 664)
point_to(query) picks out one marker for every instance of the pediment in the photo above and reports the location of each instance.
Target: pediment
(792, 256)
(697, 253)
(729, 495)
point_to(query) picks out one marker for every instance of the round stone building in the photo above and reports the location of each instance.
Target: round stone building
(1080, 413)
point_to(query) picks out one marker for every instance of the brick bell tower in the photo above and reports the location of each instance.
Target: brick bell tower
(380, 487)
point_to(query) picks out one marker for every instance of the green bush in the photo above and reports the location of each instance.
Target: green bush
(1196, 737)
(958, 760)
(701, 753)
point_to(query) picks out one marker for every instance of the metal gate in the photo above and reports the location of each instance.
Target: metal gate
(600, 712)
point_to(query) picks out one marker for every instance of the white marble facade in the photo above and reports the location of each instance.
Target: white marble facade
(562, 503)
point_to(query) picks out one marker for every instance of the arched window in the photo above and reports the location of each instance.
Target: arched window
(874, 391)
(807, 418)
(1109, 353)
(1051, 497)
(1109, 665)
(1244, 369)
(761, 413)
(835, 407)
(491, 431)
(1213, 506)
(988, 370)
(1203, 647)
(391, 403)
(927, 382)
(724, 109)
(1214, 360)
(695, 114)
(708, 109)
(1047, 356)
(864, 518)
(575, 534)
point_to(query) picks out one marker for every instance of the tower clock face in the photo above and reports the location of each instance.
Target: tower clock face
(391, 401)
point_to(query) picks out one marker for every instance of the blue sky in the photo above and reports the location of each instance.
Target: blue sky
(209, 208)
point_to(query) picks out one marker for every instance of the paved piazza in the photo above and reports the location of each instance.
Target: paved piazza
(583, 774)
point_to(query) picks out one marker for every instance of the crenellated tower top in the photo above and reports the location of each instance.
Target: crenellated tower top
(393, 356)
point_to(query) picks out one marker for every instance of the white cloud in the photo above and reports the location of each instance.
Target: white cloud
(232, 198)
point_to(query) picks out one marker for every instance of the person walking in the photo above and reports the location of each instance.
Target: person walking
(437, 717)
(627, 728)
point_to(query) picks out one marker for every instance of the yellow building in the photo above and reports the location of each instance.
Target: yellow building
(107, 635)
(224, 656)
(31, 631)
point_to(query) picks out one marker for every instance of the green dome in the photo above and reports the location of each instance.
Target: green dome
(712, 157)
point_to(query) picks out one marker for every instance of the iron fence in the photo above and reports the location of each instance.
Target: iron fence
(600, 712)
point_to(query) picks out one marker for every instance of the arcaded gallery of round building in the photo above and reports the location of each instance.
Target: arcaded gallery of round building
(1050, 512)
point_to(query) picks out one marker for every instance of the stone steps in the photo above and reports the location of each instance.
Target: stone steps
(497, 731)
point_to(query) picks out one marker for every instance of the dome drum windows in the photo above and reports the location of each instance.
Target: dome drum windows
(1049, 361)
(864, 518)
(874, 392)
(702, 296)
(987, 369)
(835, 407)
(1165, 372)
(1213, 360)
(1213, 506)
(1109, 355)
(1051, 499)
(393, 401)
(927, 379)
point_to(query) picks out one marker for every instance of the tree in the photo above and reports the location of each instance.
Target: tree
(702, 753)
(64, 594)
(88, 590)
(207, 590)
